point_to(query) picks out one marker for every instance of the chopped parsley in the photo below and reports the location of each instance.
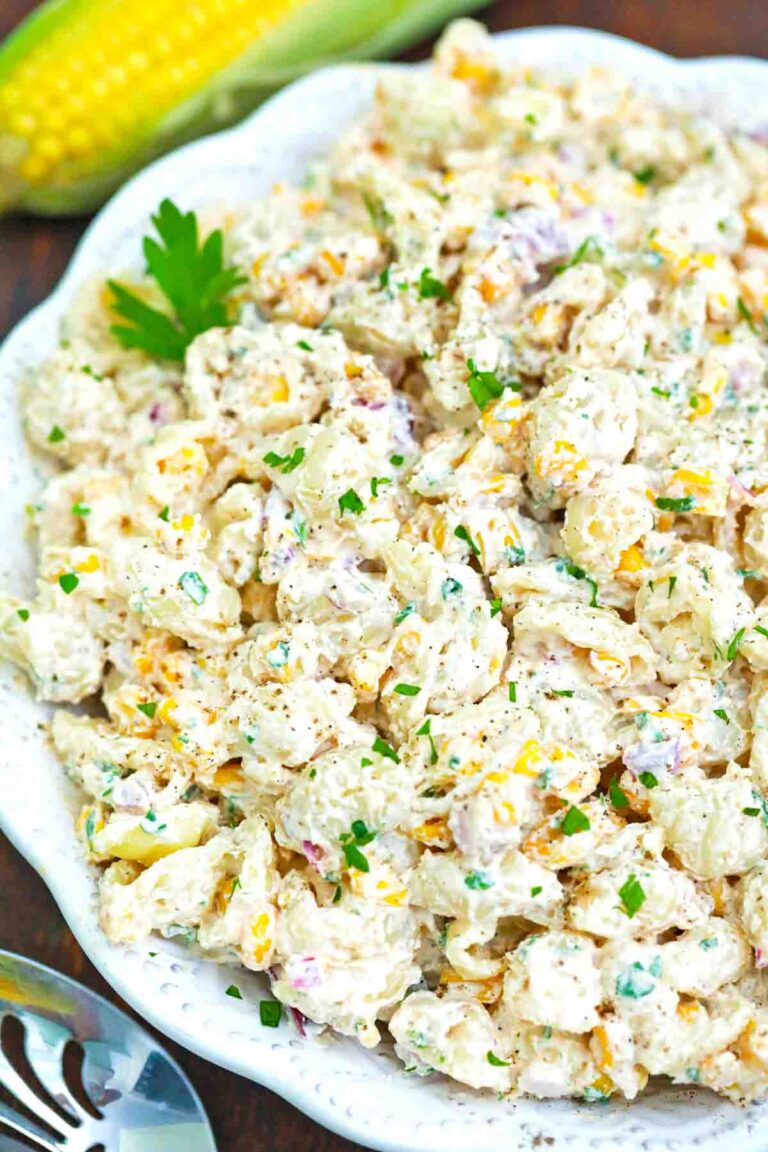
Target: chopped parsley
(462, 533)
(450, 587)
(618, 797)
(79, 509)
(675, 503)
(567, 692)
(23, 614)
(426, 730)
(577, 573)
(646, 174)
(404, 613)
(270, 1013)
(385, 749)
(350, 502)
(648, 780)
(512, 692)
(483, 386)
(234, 992)
(286, 464)
(164, 514)
(376, 483)
(632, 896)
(407, 689)
(735, 644)
(751, 811)
(536, 889)
(722, 715)
(492, 1058)
(495, 605)
(396, 461)
(430, 288)
(352, 842)
(478, 881)
(56, 435)
(574, 821)
(148, 709)
(590, 248)
(672, 582)
(304, 346)
(745, 314)
(68, 581)
(193, 585)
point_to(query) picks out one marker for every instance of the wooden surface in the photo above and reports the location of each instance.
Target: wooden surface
(33, 254)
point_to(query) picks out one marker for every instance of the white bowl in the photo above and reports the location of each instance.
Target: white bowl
(361, 1095)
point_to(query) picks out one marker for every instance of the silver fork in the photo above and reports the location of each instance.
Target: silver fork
(129, 1093)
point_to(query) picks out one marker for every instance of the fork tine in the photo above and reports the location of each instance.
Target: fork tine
(12, 1081)
(44, 1044)
(10, 1118)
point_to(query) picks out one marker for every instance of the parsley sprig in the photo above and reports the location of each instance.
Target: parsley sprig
(190, 275)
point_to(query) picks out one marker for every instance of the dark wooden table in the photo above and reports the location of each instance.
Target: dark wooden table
(33, 254)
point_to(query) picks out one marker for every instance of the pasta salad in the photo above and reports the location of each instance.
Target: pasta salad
(413, 566)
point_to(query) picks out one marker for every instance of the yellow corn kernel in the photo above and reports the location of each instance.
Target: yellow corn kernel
(334, 262)
(604, 1053)
(432, 830)
(476, 73)
(229, 776)
(703, 407)
(529, 761)
(91, 564)
(311, 205)
(494, 290)
(689, 1009)
(632, 559)
(185, 524)
(190, 458)
(561, 460)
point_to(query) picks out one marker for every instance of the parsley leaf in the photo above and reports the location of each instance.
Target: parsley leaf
(193, 585)
(574, 821)
(745, 314)
(270, 1012)
(190, 275)
(234, 992)
(645, 175)
(735, 644)
(432, 288)
(494, 1060)
(350, 502)
(56, 435)
(463, 534)
(632, 895)
(675, 503)
(619, 798)
(148, 709)
(385, 749)
(648, 780)
(286, 464)
(478, 881)
(426, 730)
(590, 248)
(483, 386)
(722, 715)
(407, 689)
(68, 581)
(512, 692)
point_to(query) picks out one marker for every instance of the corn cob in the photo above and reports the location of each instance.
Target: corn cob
(90, 90)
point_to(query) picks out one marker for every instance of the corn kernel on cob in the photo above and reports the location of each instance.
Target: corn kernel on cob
(90, 90)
